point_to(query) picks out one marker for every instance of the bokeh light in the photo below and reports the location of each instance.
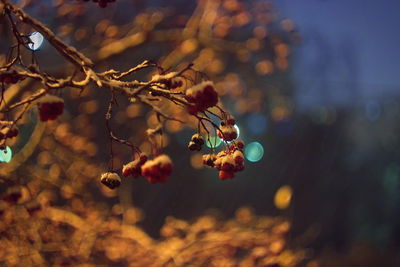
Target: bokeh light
(254, 151)
(6, 154)
(36, 41)
(238, 130)
(196, 160)
(283, 197)
(213, 141)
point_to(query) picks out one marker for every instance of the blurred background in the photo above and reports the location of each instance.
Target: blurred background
(313, 86)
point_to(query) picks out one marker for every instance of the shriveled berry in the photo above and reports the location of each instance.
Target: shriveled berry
(110, 179)
(193, 146)
(12, 133)
(198, 139)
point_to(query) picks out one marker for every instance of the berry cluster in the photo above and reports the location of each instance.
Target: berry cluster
(110, 179)
(133, 168)
(201, 97)
(101, 3)
(10, 77)
(196, 142)
(228, 131)
(158, 169)
(228, 161)
(50, 107)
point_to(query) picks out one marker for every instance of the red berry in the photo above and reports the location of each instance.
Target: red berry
(192, 110)
(233, 136)
(166, 169)
(50, 107)
(227, 167)
(223, 175)
(231, 121)
(143, 158)
(7, 79)
(240, 144)
(239, 160)
(50, 111)
(157, 170)
(239, 168)
(202, 95)
(102, 3)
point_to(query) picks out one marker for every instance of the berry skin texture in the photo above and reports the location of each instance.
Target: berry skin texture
(201, 97)
(50, 107)
(240, 144)
(192, 110)
(231, 121)
(142, 158)
(133, 168)
(158, 169)
(238, 157)
(110, 179)
(223, 175)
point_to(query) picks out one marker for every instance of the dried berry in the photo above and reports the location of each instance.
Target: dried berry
(198, 139)
(110, 179)
(196, 142)
(193, 146)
